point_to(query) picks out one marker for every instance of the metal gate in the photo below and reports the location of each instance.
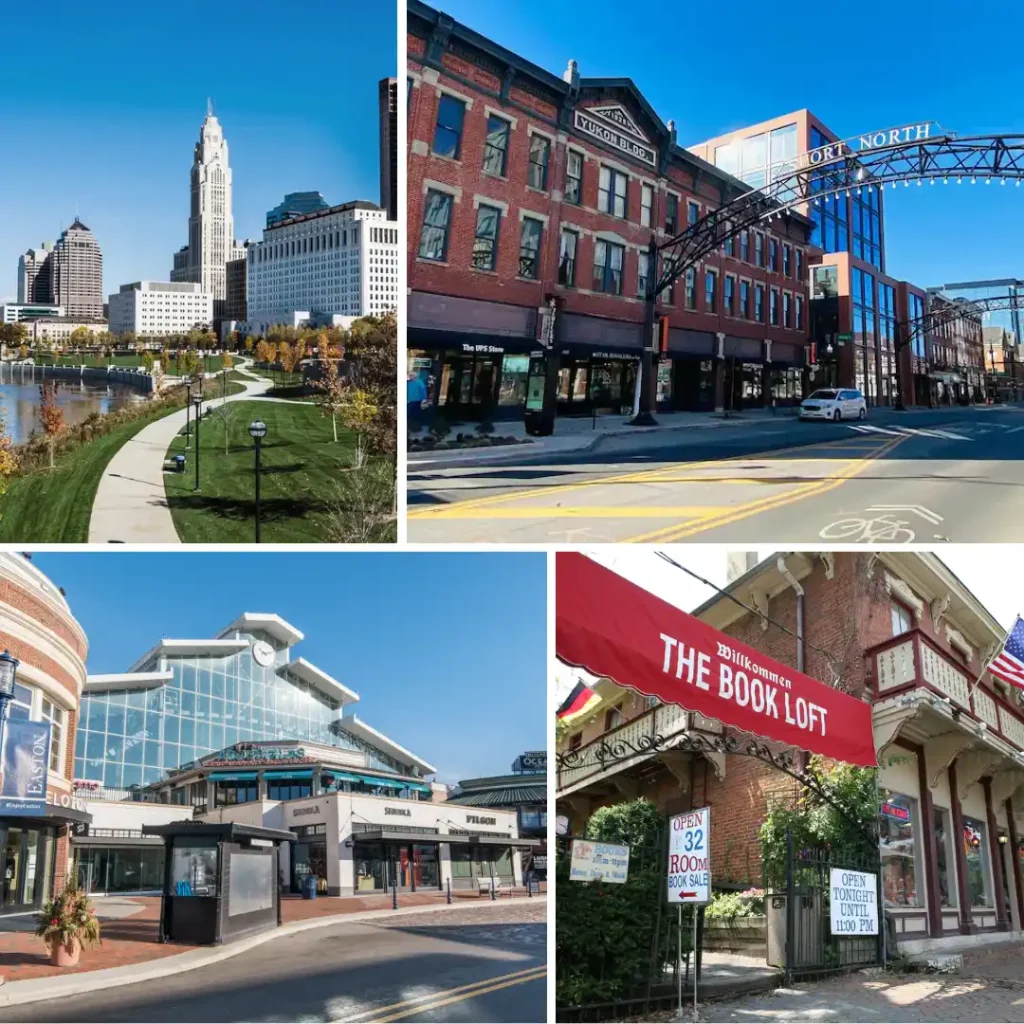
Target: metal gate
(800, 936)
(595, 959)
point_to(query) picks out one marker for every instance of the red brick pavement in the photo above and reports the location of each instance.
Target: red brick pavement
(134, 939)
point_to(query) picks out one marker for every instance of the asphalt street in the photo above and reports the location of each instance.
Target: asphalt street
(954, 474)
(455, 966)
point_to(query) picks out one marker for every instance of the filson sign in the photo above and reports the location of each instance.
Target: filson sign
(476, 819)
(600, 127)
(614, 628)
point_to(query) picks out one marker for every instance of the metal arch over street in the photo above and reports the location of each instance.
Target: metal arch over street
(956, 308)
(912, 152)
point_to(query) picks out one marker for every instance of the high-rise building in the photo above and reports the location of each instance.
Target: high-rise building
(388, 100)
(77, 273)
(342, 261)
(234, 303)
(153, 309)
(295, 204)
(210, 224)
(34, 270)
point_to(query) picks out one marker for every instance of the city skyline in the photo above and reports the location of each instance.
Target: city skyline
(119, 158)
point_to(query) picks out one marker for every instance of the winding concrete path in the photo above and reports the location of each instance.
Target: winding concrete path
(130, 506)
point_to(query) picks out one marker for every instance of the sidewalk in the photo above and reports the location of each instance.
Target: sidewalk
(131, 504)
(586, 434)
(130, 951)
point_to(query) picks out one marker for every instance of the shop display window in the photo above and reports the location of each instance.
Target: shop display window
(899, 848)
(194, 870)
(976, 853)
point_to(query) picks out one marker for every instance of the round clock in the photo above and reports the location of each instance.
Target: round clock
(263, 653)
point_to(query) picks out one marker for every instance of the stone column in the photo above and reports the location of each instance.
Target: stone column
(967, 925)
(999, 896)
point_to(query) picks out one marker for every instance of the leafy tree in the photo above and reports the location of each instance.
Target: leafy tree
(358, 413)
(51, 415)
(287, 355)
(147, 361)
(80, 337)
(249, 343)
(373, 351)
(226, 361)
(330, 391)
(637, 823)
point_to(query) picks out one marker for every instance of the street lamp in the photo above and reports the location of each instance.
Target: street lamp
(258, 431)
(8, 674)
(188, 404)
(198, 401)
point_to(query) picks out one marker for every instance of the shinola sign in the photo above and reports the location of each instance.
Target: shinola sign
(872, 140)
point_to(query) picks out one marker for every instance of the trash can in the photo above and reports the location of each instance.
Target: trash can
(179, 463)
(309, 887)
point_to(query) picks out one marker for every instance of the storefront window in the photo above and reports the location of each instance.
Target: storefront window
(976, 851)
(287, 790)
(664, 381)
(898, 848)
(194, 870)
(227, 794)
(369, 862)
(425, 870)
(514, 373)
(462, 865)
(944, 858)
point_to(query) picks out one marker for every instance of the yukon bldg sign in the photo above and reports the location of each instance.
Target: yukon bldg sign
(615, 138)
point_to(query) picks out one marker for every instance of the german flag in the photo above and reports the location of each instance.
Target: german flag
(578, 703)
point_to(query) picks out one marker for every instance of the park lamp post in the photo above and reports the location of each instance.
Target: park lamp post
(8, 675)
(188, 404)
(198, 401)
(258, 431)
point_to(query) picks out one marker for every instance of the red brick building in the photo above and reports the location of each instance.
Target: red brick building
(904, 634)
(532, 199)
(37, 628)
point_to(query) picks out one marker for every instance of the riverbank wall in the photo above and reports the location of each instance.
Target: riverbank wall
(134, 376)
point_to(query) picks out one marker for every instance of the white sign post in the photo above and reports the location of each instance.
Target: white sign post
(853, 902)
(689, 878)
(598, 862)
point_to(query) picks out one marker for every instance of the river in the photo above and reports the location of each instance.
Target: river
(79, 399)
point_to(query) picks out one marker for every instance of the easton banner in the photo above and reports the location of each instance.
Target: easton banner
(26, 748)
(611, 627)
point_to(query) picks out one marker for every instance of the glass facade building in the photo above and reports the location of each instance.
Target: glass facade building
(295, 204)
(132, 735)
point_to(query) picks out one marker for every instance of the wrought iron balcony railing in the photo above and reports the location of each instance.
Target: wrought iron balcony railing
(913, 660)
(637, 740)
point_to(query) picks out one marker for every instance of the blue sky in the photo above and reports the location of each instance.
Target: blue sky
(101, 107)
(448, 652)
(857, 68)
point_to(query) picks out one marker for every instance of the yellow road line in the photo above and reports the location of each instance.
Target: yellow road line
(589, 512)
(644, 476)
(672, 533)
(436, 1002)
(412, 1001)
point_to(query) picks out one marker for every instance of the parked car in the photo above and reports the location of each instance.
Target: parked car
(834, 404)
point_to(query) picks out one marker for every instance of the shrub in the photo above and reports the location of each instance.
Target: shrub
(67, 918)
(730, 905)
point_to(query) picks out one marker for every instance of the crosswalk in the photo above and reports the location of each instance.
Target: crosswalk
(970, 432)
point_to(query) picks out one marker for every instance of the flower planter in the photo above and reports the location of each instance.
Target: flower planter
(62, 955)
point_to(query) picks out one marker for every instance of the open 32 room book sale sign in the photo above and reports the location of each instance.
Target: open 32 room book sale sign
(611, 627)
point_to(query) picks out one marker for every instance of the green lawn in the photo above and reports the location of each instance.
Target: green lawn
(56, 506)
(301, 466)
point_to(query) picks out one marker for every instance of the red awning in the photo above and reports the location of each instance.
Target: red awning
(613, 628)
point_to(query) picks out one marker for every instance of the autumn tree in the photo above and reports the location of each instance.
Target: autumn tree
(226, 361)
(147, 361)
(373, 353)
(358, 413)
(51, 415)
(249, 343)
(330, 389)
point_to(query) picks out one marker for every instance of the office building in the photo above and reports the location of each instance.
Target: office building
(295, 204)
(17, 312)
(342, 261)
(77, 273)
(211, 241)
(57, 330)
(34, 273)
(235, 277)
(387, 99)
(37, 626)
(155, 309)
(529, 215)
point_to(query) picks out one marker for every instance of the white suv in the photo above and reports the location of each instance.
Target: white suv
(834, 404)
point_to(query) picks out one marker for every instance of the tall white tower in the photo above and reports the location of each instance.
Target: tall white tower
(210, 224)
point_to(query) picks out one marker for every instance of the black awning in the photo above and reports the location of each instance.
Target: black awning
(229, 831)
(380, 835)
(469, 341)
(522, 841)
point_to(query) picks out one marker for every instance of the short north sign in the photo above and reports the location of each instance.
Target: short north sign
(689, 857)
(854, 902)
(885, 139)
(611, 627)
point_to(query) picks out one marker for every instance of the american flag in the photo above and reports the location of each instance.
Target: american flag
(1008, 665)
